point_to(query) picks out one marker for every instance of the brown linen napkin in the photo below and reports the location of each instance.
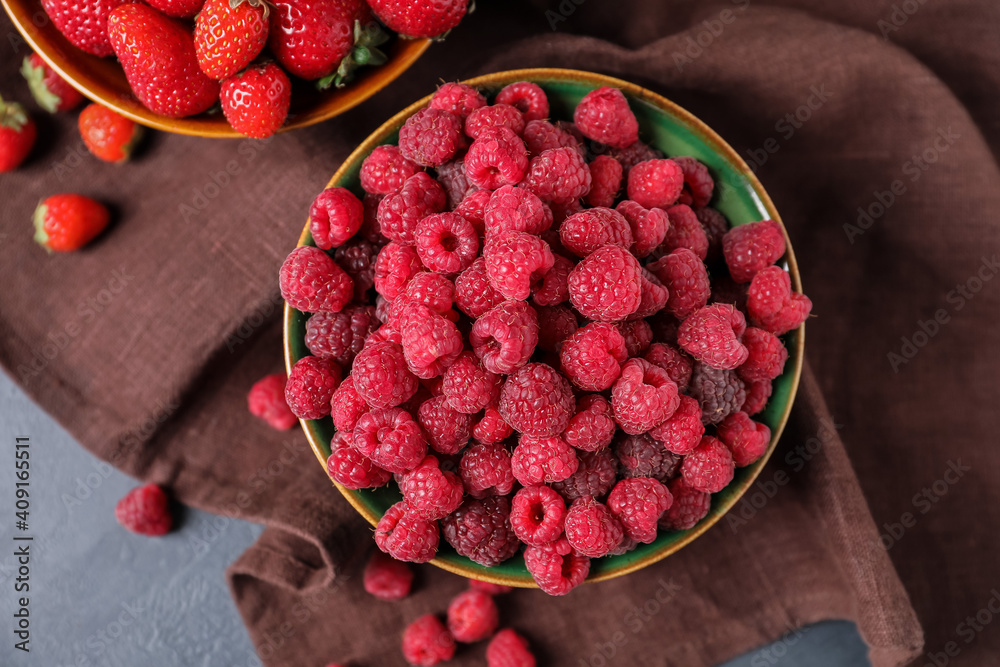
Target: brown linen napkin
(145, 345)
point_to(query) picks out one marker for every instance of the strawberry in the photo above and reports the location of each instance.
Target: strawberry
(84, 22)
(68, 222)
(181, 9)
(48, 88)
(108, 135)
(256, 100)
(228, 35)
(157, 54)
(420, 18)
(17, 135)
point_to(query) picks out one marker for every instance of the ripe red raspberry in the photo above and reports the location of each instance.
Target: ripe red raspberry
(584, 232)
(340, 336)
(537, 400)
(387, 578)
(655, 183)
(385, 334)
(592, 357)
(542, 460)
(480, 530)
(654, 296)
(682, 432)
(395, 265)
(752, 247)
(385, 170)
(555, 325)
(505, 337)
(468, 386)
(639, 502)
(593, 478)
(508, 649)
(712, 335)
(473, 293)
(352, 469)
(431, 137)
(145, 510)
(772, 305)
(643, 397)
(604, 115)
(472, 616)
(491, 428)
(686, 278)
(709, 467)
(498, 115)
(426, 642)
(446, 242)
(447, 430)
(537, 514)
(606, 285)
(720, 393)
(552, 288)
(766, 356)
(310, 386)
(689, 507)
(593, 426)
(556, 567)
(473, 209)
(648, 226)
(496, 158)
(591, 528)
(399, 212)
(746, 439)
(526, 97)
(381, 376)
(641, 456)
(758, 393)
(514, 260)
(715, 225)
(452, 177)
(634, 154)
(606, 181)
(390, 438)
(430, 289)
(485, 470)
(429, 492)
(558, 175)
(267, 401)
(541, 135)
(676, 363)
(517, 209)
(406, 537)
(334, 217)
(312, 282)
(430, 342)
(685, 231)
(489, 588)
(698, 183)
(458, 98)
(638, 336)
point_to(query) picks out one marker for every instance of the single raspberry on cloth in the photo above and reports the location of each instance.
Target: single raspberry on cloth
(426, 642)
(472, 616)
(387, 578)
(509, 649)
(145, 510)
(266, 400)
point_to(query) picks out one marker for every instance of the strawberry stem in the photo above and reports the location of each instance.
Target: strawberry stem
(12, 115)
(365, 53)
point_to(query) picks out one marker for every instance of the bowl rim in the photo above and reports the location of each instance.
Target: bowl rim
(706, 134)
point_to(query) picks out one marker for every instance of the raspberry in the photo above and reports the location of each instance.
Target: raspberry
(370, 229)
(541, 135)
(390, 438)
(357, 258)
(340, 335)
(498, 115)
(480, 530)
(526, 97)
(452, 177)
(772, 304)
(267, 401)
(606, 285)
(514, 260)
(537, 400)
(537, 514)
(505, 336)
(399, 213)
(429, 289)
(712, 335)
(385, 334)
(638, 503)
(698, 183)
(593, 426)
(430, 342)
(310, 386)
(643, 397)
(758, 392)
(473, 209)
(312, 282)
(766, 356)
(489, 588)
(542, 460)
(491, 428)
(591, 529)
(387, 578)
(485, 470)
(715, 225)
(395, 265)
(517, 209)
(429, 492)
(352, 469)
(672, 360)
(709, 467)
(648, 226)
(689, 507)
(509, 649)
(720, 393)
(686, 278)
(145, 510)
(472, 616)
(552, 287)
(641, 456)
(447, 430)
(473, 293)
(457, 98)
(752, 247)
(593, 478)
(685, 231)
(570, 128)
(446, 242)
(682, 432)
(426, 642)
(746, 439)
(654, 296)
(606, 181)
(555, 325)
(655, 183)
(406, 537)
(558, 175)
(497, 158)
(584, 232)
(556, 567)
(592, 357)
(334, 217)
(632, 155)
(385, 170)
(468, 386)
(604, 115)
(431, 137)
(381, 376)
(638, 336)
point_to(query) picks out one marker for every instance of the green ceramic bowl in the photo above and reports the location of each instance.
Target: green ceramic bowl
(738, 195)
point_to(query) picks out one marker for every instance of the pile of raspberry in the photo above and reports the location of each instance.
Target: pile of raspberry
(539, 330)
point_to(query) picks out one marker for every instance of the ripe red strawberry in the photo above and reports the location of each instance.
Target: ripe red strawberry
(181, 9)
(108, 135)
(68, 222)
(145, 510)
(84, 22)
(420, 18)
(228, 35)
(256, 100)
(48, 88)
(157, 54)
(17, 135)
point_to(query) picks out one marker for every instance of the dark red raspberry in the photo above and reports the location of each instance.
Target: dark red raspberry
(676, 363)
(406, 537)
(505, 337)
(758, 394)
(752, 247)
(689, 507)
(352, 469)
(720, 393)
(395, 265)
(541, 135)
(584, 232)
(746, 439)
(431, 137)
(385, 170)
(682, 432)
(399, 213)
(558, 175)
(542, 460)
(766, 356)
(527, 97)
(473, 293)
(426, 642)
(468, 386)
(604, 115)
(632, 155)
(491, 428)
(446, 242)
(267, 401)
(508, 649)
(497, 158)
(390, 438)
(537, 514)
(429, 492)
(514, 260)
(698, 183)
(715, 225)
(370, 229)
(312, 282)
(641, 456)
(592, 357)
(310, 386)
(340, 335)
(606, 181)
(685, 232)
(655, 183)
(430, 341)
(334, 217)
(709, 467)
(713, 335)
(772, 305)
(447, 430)
(517, 209)
(452, 177)
(537, 400)
(654, 296)
(381, 376)
(639, 502)
(430, 289)
(555, 325)
(643, 397)
(498, 115)
(593, 426)
(638, 336)
(556, 567)
(593, 478)
(648, 226)
(145, 510)
(489, 588)
(357, 258)
(472, 616)
(485, 469)
(606, 285)
(387, 578)
(480, 530)
(686, 277)
(591, 528)
(458, 98)
(347, 405)
(473, 209)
